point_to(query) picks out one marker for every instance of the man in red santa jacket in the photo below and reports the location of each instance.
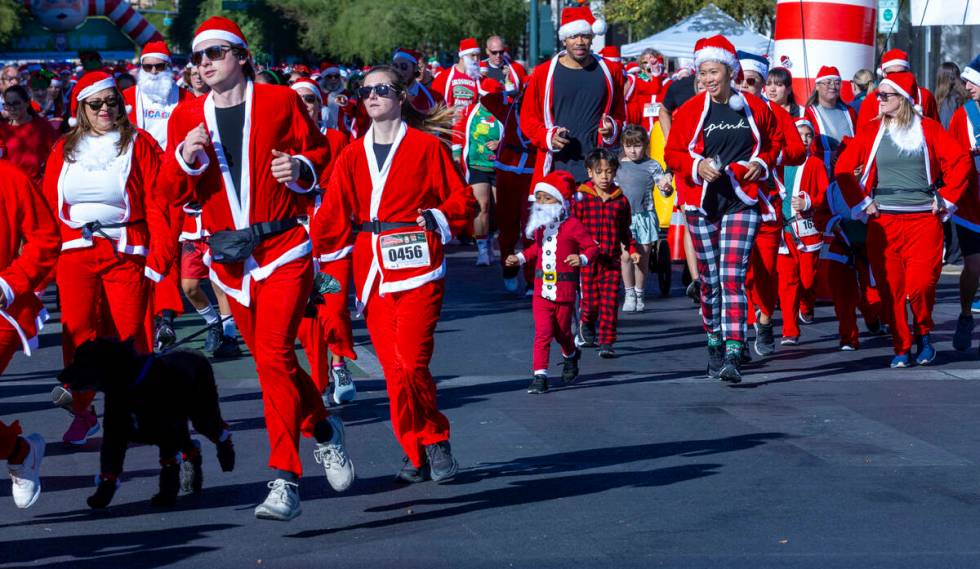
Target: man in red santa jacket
(561, 245)
(574, 102)
(459, 88)
(248, 153)
(896, 61)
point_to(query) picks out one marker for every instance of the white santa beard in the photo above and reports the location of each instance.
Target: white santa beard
(541, 215)
(472, 68)
(909, 140)
(157, 87)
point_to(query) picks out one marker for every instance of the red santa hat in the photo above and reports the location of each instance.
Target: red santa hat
(409, 55)
(905, 85)
(219, 28)
(827, 72)
(157, 49)
(558, 184)
(90, 84)
(611, 53)
(305, 84)
(580, 20)
(469, 46)
(633, 68)
(718, 49)
(894, 58)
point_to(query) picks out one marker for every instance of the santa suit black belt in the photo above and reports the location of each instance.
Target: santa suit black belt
(93, 228)
(378, 227)
(561, 277)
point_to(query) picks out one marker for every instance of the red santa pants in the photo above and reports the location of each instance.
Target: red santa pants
(851, 289)
(8, 438)
(268, 325)
(600, 288)
(511, 214)
(330, 329)
(906, 254)
(760, 281)
(552, 321)
(100, 296)
(9, 344)
(402, 327)
(797, 274)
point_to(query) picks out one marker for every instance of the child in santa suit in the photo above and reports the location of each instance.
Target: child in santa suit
(801, 190)
(561, 245)
(605, 211)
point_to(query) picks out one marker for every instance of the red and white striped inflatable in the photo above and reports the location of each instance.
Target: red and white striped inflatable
(64, 15)
(810, 34)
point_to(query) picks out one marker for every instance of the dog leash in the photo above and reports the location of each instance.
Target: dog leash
(194, 335)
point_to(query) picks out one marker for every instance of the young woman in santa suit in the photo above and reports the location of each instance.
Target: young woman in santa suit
(832, 120)
(901, 157)
(100, 182)
(328, 326)
(27, 135)
(724, 143)
(402, 191)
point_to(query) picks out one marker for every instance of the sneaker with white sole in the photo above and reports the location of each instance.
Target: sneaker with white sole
(26, 477)
(629, 302)
(282, 503)
(83, 425)
(640, 305)
(344, 390)
(333, 456)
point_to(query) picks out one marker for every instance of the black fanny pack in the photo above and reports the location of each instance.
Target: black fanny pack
(229, 247)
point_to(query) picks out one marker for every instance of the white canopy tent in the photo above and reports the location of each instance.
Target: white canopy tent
(678, 40)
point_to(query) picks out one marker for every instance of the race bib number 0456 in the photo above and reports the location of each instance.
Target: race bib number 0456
(405, 250)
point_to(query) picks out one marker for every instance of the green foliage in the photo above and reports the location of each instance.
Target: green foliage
(11, 13)
(651, 16)
(270, 34)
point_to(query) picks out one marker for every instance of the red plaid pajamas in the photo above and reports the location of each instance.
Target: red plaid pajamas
(609, 224)
(723, 250)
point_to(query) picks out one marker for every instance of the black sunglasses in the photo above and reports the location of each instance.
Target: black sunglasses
(498, 51)
(882, 96)
(382, 90)
(151, 67)
(96, 104)
(213, 53)
(750, 81)
(309, 98)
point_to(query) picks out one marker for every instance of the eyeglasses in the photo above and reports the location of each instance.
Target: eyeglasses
(497, 51)
(882, 96)
(310, 99)
(213, 53)
(381, 90)
(154, 67)
(829, 83)
(96, 104)
(750, 81)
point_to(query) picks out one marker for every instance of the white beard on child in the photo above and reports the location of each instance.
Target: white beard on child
(541, 215)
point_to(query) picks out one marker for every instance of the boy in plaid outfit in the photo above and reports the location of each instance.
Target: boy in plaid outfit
(605, 212)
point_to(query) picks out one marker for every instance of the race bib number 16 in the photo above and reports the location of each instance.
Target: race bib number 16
(405, 250)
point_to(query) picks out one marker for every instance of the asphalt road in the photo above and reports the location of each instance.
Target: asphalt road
(820, 459)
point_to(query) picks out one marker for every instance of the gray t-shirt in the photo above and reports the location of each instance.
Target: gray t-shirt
(902, 178)
(836, 124)
(637, 180)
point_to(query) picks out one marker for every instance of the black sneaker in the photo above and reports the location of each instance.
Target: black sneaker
(693, 291)
(877, 328)
(442, 465)
(730, 370)
(539, 384)
(410, 474)
(744, 356)
(228, 348)
(213, 341)
(765, 343)
(806, 318)
(569, 370)
(165, 334)
(226, 455)
(607, 351)
(716, 359)
(169, 487)
(586, 335)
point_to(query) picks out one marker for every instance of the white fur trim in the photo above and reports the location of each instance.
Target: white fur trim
(72, 122)
(970, 74)
(892, 63)
(895, 86)
(336, 255)
(736, 102)
(294, 186)
(471, 51)
(445, 233)
(755, 65)
(550, 190)
(162, 56)
(217, 35)
(599, 27)
(129, 109)
(312, 88)
(826, 77)
(718, 55)
(152, 275)
(201, 157)
(576, 28)
(521, 258)
(107, 83)
(8, 293)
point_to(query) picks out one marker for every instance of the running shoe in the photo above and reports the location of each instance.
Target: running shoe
(963, 336)
(282, 503)
(442, 464)
(26, 477)
(344, 390)
(790, 341)
(215, 336)
(765, 343)
(83, 425)
(538, 385)
(412, 474)
(927, 353)
(569, 371)
(900, 361)
(333, 456)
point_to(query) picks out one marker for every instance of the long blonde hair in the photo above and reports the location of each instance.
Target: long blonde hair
(903, 118)
(127, 132)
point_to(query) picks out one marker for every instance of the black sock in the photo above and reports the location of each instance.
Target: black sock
(288, 476)
(323, 432)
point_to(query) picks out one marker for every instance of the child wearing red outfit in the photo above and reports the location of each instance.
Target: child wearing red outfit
(605, 212)
(561, 245)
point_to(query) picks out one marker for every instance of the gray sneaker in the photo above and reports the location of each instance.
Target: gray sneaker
(963, 336)
(333, 456)
(282, 503)
(344, 390)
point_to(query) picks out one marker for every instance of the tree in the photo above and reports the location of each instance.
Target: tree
(651, 16)
(11, 13)
(271, 35)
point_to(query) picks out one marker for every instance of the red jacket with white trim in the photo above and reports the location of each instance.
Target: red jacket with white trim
(515, 154)
(810, 184)
(869, 109)
(552, 245)
(968, 207)
(274, 120)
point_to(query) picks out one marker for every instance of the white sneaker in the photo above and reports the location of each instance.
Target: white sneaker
(282, 503)
(511, 285)
(629, 303)
(640, 306)
(344, 390)
(333, 456)
(26, 477)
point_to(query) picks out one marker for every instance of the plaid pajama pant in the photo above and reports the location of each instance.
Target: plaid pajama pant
(600, 289)
(723, 250)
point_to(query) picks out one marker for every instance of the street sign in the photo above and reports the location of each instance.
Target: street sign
(887, 16)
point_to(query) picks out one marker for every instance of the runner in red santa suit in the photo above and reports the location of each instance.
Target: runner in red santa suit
(896, 61)
(901, 157)
(499, 66)
(29, 246)
(326, 325)
(116, 240)
(574, 102)
(965, 128)
(401, 189)
(409, 64)
(458, 87)
(28, 136)
(723, 142)
(248, 154)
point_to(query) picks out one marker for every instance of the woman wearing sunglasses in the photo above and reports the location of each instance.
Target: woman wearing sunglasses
(28, 136)
(115, 237)
(898, 160)
(401, 189)
(832, 120)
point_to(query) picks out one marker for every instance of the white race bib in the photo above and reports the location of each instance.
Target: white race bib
(651, 110)
(405, 250)
(804, 227)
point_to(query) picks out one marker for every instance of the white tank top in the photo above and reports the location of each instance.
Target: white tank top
(94, 186)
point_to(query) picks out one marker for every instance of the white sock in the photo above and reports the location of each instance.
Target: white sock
(209, 314)
(228, 328)
(629, 289)
(540, 372)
